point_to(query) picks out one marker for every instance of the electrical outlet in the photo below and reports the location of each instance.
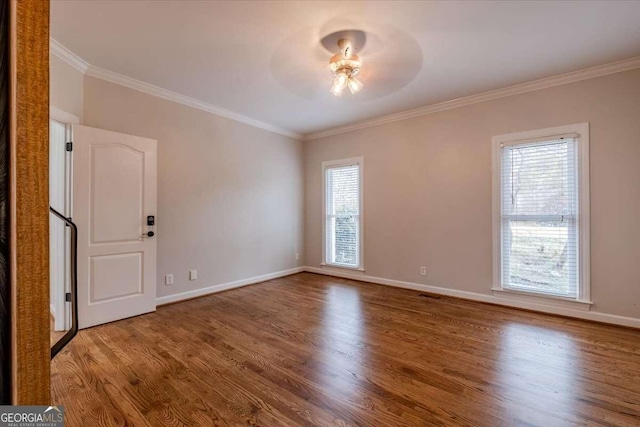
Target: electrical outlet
(168, 279)
(297, 256)
(193, 274)
(423, 270)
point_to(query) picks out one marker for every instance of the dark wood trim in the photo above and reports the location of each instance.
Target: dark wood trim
(30, 202)
(5, 278)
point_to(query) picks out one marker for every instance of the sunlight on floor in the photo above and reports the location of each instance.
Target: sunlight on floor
(343, 330)
(524, 350)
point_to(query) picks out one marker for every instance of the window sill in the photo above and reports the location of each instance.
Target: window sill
(341, 267)
(549, 300)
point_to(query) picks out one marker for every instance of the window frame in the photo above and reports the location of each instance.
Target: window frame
(581, 131)
(330, 164)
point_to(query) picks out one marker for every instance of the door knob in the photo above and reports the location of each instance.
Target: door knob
(149, 234)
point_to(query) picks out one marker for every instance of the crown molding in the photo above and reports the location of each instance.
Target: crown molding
(67, 56)
(90, 70)
(169, 95)
(558, 80)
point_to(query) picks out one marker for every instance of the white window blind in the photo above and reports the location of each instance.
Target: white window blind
(342, 215)
(539, 217)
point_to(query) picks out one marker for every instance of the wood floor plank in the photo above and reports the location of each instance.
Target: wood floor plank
(311, 350)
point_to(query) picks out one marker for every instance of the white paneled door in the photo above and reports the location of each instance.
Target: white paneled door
(114, 193)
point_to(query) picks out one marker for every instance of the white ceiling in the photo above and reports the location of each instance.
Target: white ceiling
(264, 59)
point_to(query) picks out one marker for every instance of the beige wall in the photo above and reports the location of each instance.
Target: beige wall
(230, 196)
(66, 87)
(427, 197)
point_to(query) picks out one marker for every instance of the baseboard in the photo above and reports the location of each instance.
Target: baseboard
(563, 311)
(473, 296)
(225, 286)
(52, 310)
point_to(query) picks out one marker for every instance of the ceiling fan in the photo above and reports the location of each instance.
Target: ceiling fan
(309, 62)
(345, 66)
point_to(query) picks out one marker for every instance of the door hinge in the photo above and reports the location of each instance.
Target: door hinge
(67, 297)
(69, 146)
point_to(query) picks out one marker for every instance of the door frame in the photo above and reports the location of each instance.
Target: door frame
(59, 305)
(29, 203)
(6, 132)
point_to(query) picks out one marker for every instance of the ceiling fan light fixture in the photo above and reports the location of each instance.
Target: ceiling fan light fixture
(345, 66)
(355, 85)
(340, 62)
(336, 90)
(339, 83)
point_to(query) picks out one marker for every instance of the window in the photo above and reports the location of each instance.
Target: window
(342, 213)
(541, 212)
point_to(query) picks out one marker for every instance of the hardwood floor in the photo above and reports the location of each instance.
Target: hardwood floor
(315, 350)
